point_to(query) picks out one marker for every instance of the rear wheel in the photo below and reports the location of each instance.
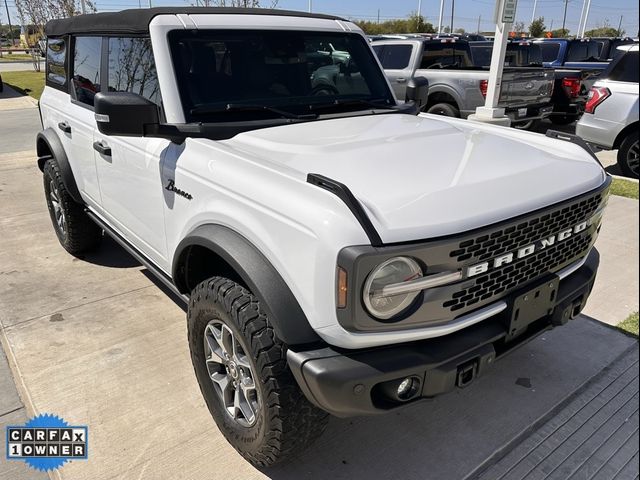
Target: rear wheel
(629, 155)
(76, 232)
(243, 374)
(445, 109)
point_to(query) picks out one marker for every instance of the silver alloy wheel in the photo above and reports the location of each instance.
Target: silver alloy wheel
(230, 372)
(61, 219)
(633, 157)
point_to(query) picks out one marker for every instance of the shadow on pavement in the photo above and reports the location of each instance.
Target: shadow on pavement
(110, 254)
(8, 92)
(457, 435)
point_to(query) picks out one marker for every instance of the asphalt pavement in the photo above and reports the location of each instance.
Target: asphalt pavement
(96, 341)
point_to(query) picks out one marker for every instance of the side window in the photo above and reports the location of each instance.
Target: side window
(626, 70)
(132, 68)
(86, 68)
(56, 63)
(396, 57)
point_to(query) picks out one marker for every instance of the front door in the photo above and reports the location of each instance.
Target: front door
(129, 168)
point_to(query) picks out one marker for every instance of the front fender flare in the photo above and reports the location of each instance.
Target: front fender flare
(284, 312)
(48, 145)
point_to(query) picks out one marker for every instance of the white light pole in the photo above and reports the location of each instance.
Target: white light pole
(419, 7)
(490, 113)
(310, 5)
(440, 17)
(584, 9)
(533, 14)
(586, 17)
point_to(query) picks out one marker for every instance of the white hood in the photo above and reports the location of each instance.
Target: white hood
(425, 176)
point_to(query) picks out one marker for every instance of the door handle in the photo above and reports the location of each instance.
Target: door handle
(102, 148)
(65, 127)
(401, 80)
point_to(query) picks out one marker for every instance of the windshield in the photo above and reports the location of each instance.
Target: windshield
(228, 75)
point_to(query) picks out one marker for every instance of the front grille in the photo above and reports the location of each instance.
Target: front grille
(509, 239)
(517, 236)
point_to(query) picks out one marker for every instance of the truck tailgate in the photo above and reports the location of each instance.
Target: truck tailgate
(526, 86)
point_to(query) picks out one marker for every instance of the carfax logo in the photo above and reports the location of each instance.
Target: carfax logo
(46, 442)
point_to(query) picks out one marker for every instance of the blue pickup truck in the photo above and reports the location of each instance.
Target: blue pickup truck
(580, 53)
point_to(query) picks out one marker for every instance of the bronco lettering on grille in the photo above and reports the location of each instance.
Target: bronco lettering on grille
(527, 250)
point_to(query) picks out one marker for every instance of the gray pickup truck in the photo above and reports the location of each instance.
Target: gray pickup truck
(457, 85)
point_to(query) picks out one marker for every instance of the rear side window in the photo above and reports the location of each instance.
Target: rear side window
(394, 57)
(57, 63)
(132, 68)
(86, 68)
(626, 70)
(549, 51)
(583, 52)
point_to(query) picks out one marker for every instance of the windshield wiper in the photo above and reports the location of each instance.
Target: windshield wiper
(241, 107)
(349, 102)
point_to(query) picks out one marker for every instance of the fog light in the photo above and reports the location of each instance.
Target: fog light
(408, 388)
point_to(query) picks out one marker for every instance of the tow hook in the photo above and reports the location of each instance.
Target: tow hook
(467, 373)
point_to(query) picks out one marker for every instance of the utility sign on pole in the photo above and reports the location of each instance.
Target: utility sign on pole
(509, 11)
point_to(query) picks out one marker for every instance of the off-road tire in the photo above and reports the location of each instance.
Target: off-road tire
(444, 109)
(286, 423)
(80, 233)
(628, 155)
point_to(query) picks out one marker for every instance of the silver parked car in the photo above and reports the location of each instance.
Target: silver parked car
(610, 119)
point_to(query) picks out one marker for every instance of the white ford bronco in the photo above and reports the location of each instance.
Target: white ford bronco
(339, 252)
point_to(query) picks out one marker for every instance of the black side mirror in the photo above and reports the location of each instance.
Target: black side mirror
(125, 114)
(417, 91)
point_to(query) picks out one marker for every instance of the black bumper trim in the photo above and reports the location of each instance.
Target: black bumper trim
(357, 382)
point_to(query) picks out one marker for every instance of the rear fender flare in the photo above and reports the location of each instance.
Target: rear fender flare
(48, 145)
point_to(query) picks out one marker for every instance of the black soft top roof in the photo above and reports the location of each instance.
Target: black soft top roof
(136, 21)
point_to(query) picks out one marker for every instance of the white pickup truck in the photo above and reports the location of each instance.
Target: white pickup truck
(339, 252)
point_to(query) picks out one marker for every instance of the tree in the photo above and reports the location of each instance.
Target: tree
(518, 27)
(39, 12)
(604, 30)
(560, 33)
(461, 31)
(414, 24)
(537, 28)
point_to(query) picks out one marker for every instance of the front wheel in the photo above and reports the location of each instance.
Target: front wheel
(629, 155)
(241, 367)
(444, 109)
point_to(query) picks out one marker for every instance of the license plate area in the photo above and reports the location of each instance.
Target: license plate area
(522, 112)
(532, 305)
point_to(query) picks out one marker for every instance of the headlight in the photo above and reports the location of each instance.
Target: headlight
(393, 271)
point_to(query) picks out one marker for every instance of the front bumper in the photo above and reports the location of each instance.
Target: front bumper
(364, 382)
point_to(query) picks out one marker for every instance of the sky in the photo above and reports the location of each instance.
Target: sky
(466, 14)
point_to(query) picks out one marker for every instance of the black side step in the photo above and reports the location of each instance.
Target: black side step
(568, 137)
(159, 274)
(341, 191)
